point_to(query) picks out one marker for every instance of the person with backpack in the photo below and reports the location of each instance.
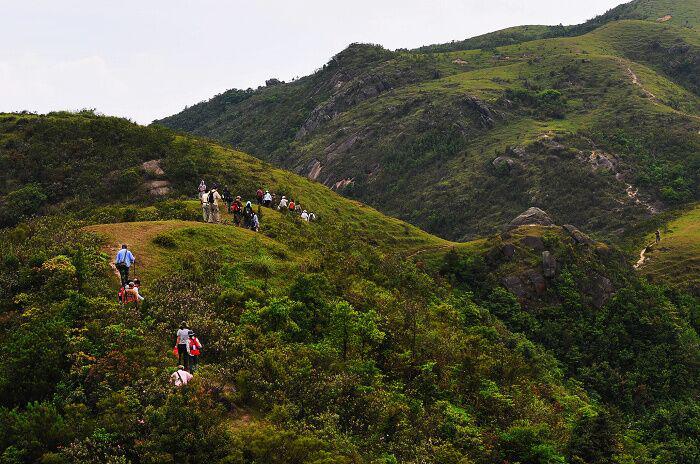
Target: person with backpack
(213, 199)
(130, 294)
(123, 262)
(267, 199)
(284, 204)
(202, 187)
(180, 377)
(228, 198)
(237, 210)
(206, 209)
(182, 339)
(292, 205)
(658, 235)
(248, 215)
(194, 348)
(260, 194)
(305, 216)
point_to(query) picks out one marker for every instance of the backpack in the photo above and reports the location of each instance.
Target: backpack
(210, 198)
(235, 207)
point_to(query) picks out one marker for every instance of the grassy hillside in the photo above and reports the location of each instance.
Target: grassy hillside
(599, 129)
(675, 12)
(353, 339)
(676, 260)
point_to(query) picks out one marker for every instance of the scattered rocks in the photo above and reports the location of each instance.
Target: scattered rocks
(549, 265)
(533, 241)
(579, 237)
(533, 216)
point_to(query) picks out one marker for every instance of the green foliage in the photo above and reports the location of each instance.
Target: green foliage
(21, 203)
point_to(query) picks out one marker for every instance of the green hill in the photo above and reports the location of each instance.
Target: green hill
(599, 129)
(353, 339)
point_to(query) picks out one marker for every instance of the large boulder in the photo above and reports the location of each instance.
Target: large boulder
(549, 265)
(532, 217)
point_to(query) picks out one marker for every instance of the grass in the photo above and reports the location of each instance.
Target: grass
(676, 260)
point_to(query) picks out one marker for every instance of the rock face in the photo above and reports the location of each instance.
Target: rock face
(314, 168)
(602, 292)
(503, 162)
(533, 216)
(508, 251)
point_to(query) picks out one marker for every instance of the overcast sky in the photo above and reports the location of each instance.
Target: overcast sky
(145, 59)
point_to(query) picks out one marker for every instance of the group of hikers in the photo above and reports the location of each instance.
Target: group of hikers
(129, 290)
(187, 345)
(245, 215)
(187, 349)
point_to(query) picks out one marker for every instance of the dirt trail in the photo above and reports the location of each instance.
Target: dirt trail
(652, 97)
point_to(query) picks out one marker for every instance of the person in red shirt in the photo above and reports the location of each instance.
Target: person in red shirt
(260, 195)
(194, 350)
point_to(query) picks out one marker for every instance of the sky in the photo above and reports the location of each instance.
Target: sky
(147, 59)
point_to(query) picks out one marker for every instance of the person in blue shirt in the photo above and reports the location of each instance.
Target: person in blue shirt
(123, 262)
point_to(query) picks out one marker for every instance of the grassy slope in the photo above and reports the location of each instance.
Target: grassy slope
(676, 260)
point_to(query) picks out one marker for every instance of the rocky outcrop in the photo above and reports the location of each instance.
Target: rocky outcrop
(533, 241)
(341, 184)
(549, 265)
(486, 115)
(515, 286)
(503, 162)
(314, 169)
(533, 216)
(157, 188)
(349, 94)
(153, 168)
(579, 237)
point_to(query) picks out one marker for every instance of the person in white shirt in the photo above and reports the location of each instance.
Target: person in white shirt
(180, 377)
(182, 339)
(213, 199)
(284, 204)
(267, 199)
(305, 216)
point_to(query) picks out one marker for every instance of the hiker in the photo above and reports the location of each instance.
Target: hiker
(248, 215)
(193, 350)
(267, 199)
(305, 216)
(237, 210)
(297, 208)
(658, 235)
(228, 198)
(283, 204)
(180, 377)
(255, 223)
(292, 206)
(130, 294)
(312, 217)
(123, 262)
(213, 199)
(182, 339)
(260, 194)
(206, 209)
(202, 187)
